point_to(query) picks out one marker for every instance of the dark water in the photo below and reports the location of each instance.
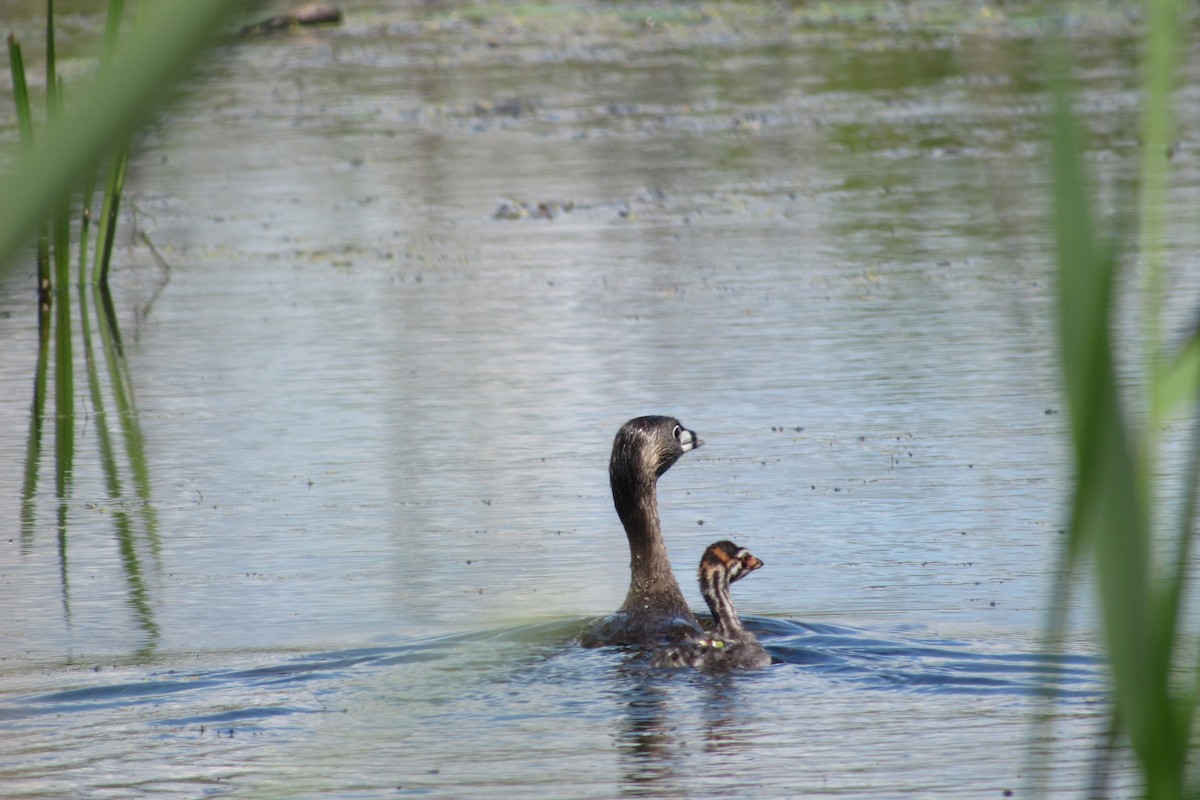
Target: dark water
(375, 414)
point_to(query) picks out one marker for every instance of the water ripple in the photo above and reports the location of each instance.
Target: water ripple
(881, 660)
(893, 661)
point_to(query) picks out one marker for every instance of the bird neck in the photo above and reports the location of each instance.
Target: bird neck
(714, 586)
(652, 584)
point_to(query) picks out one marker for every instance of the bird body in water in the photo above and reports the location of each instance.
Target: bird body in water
(728, 645)
(655, 611)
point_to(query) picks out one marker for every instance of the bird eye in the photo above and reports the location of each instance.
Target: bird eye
(675, 432)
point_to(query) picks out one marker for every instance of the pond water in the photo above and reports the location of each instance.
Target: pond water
(410, 274)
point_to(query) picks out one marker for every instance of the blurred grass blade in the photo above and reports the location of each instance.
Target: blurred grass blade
(111, 204)
(1111, 514)
(25, 125)
(103, 111)
(1179, 385)
(1160, 55)
(20, 91)
(112, 27)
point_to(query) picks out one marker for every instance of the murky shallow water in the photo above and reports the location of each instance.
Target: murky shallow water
(376, 418)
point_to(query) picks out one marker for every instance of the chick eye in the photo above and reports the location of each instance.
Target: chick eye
(675, 433)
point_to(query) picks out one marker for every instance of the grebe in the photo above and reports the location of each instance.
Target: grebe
(654, 611)
(728, 645)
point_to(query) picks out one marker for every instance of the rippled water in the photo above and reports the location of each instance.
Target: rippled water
(521, 711)
(376, 416)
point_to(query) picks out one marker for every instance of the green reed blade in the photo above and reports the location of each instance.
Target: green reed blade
(1179, 382)
(108, 216)
(20, 91)
(1109, 515)
(112, 27)
(25, 126)
(116, 177)
(85, 219)
(51, 61)
(64, 389)
(1176, 585)
(1161, 55)
(1112, 517)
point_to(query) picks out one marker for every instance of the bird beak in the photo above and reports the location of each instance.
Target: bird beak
(752, 563)
(688, 440)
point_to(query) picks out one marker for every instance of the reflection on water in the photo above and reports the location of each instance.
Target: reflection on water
(358, 447)
(120, 453)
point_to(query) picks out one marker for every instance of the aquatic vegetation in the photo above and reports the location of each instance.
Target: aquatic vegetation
(1140, 559)
(55, 172)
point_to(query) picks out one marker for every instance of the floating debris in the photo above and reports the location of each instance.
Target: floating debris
(520, 209)
(307, 14)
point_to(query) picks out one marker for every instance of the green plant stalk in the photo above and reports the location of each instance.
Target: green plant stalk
(1111, 514)
(112, 27)
(85, 219)
(51, 61)
(108, 216)
(1158, 119)
(116, 178)
(64, 419)
(64, 367)
(1177, 384)
(20, 91)
(104, 110)
(25, 125)
(1158, 123)
(64, 381)
(1177, 582)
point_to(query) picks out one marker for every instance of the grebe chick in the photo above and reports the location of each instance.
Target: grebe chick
(728, 645)
(654, 611)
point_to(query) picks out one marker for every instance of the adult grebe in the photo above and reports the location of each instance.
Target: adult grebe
(654, 610)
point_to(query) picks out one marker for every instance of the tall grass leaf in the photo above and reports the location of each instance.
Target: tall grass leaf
(51, 60)
(1108, 515)
(25, 125)
(20, 91)
(1179, 385)
(1160, 56)
(112, 27)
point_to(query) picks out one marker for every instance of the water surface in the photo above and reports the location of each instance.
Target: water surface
(376, 415)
